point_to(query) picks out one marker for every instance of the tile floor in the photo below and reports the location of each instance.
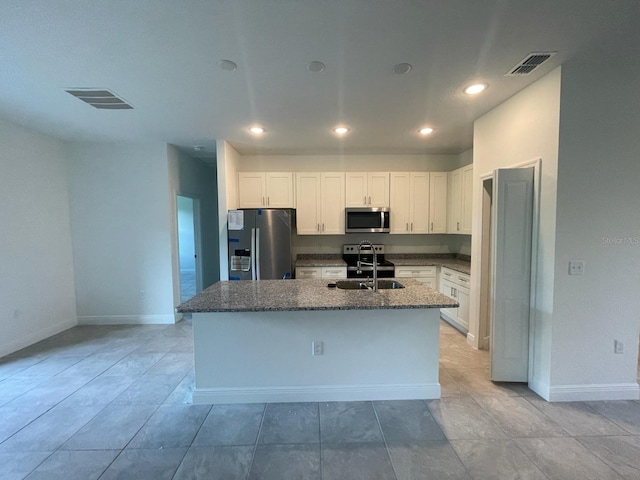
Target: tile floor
(187, 284)
(114, 402)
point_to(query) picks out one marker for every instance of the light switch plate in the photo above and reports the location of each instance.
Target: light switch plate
(576, 267)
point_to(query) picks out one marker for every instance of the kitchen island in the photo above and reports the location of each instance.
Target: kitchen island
(299, 340)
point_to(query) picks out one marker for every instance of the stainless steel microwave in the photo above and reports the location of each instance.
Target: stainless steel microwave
(366, 220)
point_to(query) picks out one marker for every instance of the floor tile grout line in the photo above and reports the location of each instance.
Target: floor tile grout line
(255, 445)
(384, 440)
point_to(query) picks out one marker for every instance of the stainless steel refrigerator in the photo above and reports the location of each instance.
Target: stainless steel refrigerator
(260, 244)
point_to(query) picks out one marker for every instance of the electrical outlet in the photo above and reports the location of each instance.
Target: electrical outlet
(317, 348)
(618, 347)
(576, 267)
(141, 293)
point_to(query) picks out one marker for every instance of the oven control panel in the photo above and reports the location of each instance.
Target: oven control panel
(352, 249)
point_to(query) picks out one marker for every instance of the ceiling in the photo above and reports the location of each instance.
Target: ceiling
(162, 57)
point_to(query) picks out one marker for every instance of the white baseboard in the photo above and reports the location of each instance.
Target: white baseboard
(594, 392)
(128, 319)
(316, 393)
(540, 387)
(35, 337)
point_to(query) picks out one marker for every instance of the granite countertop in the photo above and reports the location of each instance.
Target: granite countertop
(311, 294)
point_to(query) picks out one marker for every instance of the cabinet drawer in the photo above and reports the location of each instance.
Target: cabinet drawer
(454, 277)
(308, 272)
(415, 272)
(334, 272)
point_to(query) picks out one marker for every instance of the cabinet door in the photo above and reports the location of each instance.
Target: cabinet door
(279, 190)
(399, 194)
(438, 202)
(356, 189)
(419, 202)
(463, 309)
(332, 194)
(455, 193)
(378, 189)
(251, 190)
(450, 290)
(466, 199)
(308, 203)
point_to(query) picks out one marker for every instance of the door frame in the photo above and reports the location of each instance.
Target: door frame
(536, 164)
(197, 240)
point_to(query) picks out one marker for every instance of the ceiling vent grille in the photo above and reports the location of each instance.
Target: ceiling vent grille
(102, 98)
(529, 64)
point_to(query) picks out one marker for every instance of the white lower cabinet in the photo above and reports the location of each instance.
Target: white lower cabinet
(455, 285)
(426, 275)
(321, 272)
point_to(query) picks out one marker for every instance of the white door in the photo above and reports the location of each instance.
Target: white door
(419, 199)
(511, 284)
(378, 189)
(399, 202)
(438, 202)
(279, 190)
(357, 195)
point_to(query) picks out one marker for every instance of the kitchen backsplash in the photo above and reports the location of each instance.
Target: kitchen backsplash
(332, 244)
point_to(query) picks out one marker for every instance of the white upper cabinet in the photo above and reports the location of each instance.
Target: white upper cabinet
(308, 203)
(367, 189)
(460, 200)
(320, 203)
(400, 217)
(265, 190)
(438, 202)
(418, 202)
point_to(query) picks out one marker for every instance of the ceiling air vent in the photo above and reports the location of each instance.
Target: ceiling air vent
(104, 99)
(529, 64)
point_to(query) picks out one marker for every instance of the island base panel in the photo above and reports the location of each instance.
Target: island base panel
(255, 357)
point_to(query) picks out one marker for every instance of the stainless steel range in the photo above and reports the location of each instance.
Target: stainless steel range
(350, 255)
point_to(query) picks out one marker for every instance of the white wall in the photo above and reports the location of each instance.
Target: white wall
(227, 162)
(523, 128)
(36, 274)
(598, 221)
(347, 163)
(121, 232)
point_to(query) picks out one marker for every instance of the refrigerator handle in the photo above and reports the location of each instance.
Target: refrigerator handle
(257, 250)
(253, 254)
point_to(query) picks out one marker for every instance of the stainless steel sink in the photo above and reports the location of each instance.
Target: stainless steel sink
(362, 285)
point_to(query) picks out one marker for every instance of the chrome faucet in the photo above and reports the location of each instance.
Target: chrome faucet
(374, 263)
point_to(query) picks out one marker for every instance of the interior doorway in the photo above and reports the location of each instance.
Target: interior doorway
(189, 246)
(508, 258)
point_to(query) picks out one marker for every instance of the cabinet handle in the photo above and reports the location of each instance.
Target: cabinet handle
(412, 226)
(369, 200)
(407, 227)
(323, 227)
(432, 226)
(267, 201)
(365, 199)
(446, 274)
(318, 229)
(458, 226)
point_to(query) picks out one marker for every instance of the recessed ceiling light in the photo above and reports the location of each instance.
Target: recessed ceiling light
(316, 66)
(476, 88)
(227, 65)
(341, 130)
(426, 130)
(402, 68)
(256, 130)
